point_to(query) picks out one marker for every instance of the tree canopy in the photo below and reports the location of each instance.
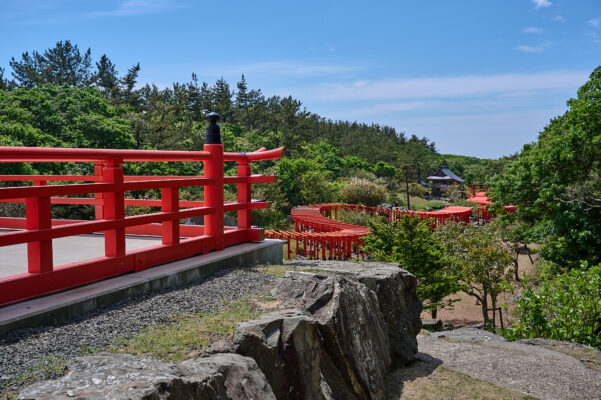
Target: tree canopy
(556, 181)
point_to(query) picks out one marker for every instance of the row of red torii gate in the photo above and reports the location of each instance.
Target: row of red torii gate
(319, 235)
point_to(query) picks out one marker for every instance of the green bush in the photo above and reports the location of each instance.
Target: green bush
(362, 191)
(356, 217)
(565, 307)
(410, 242)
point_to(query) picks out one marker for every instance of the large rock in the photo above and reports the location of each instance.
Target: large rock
(286, 345)
(395, 289)
(355, 351)
(123, 376)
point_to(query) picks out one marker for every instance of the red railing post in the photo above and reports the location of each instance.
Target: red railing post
(170, 203)
(244, 196)
(113, 208)
(213, 168)
(39, 253)
(98, 196)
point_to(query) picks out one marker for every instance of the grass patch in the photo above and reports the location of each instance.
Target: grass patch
(192, 333)
(48, 367)
(426, 381)
(419, 204)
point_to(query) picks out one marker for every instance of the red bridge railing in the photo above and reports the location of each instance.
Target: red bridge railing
(108, 186)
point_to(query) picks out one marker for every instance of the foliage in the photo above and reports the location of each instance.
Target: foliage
(479, 259)
(362, 191)
(275, 215)
(563, 307)
(472, 169)
(355, 217)
(62, 116)
(556, 182)
(410, 242)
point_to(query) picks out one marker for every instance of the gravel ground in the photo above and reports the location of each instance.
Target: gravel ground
(23, 349)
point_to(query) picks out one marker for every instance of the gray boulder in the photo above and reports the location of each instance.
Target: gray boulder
(395, 289)
(286, 345)
(355, 356)
(123, 376)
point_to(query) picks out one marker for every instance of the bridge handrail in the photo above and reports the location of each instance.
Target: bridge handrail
(108, 185)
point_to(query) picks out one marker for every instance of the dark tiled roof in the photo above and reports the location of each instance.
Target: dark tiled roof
(443, 173)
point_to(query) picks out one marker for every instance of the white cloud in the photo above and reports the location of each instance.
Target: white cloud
(460, 86)
(138, 7)
(530, 49)
(541, 4)
(594, 21)
(532, 30)
(559, 18)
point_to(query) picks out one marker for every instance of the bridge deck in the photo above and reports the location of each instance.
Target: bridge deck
(13, 259)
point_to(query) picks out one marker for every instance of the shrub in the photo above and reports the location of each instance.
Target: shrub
(362, 191)
(356, 217)
(565, 307)
(409, 242)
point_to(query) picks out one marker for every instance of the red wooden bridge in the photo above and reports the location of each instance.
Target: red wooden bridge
(105, 190)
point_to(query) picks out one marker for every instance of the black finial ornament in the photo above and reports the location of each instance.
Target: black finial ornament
(213, 130)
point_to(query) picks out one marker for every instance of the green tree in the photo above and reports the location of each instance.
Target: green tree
(62, 116)
(563, 307)
(555, 182)
(222, 100)
(480, 260)
(409, 242)
(106, 78)
(63, 64)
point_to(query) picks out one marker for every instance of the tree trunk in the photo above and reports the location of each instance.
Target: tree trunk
(484, 305)
(529, 253)
(407, 189)
(493, 301)
(516, 263)
(434, 312)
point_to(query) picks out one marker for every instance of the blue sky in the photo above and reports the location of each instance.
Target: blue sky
(479, 78)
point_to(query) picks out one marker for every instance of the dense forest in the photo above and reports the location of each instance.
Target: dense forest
(61, 97)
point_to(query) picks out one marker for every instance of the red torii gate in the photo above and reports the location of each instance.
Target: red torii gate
(324, 238)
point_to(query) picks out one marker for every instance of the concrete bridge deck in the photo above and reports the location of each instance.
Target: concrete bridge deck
(13, 259)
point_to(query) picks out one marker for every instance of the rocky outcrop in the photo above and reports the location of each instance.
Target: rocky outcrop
(123, 376)
(350, 323)
(345, 327)
(395, 290)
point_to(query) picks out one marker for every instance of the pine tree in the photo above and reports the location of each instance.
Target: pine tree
(222, 100)
(105, 77)
(128, 82)
(60, 65)
(242, 104)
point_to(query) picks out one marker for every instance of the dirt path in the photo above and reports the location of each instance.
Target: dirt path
(472, 363)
